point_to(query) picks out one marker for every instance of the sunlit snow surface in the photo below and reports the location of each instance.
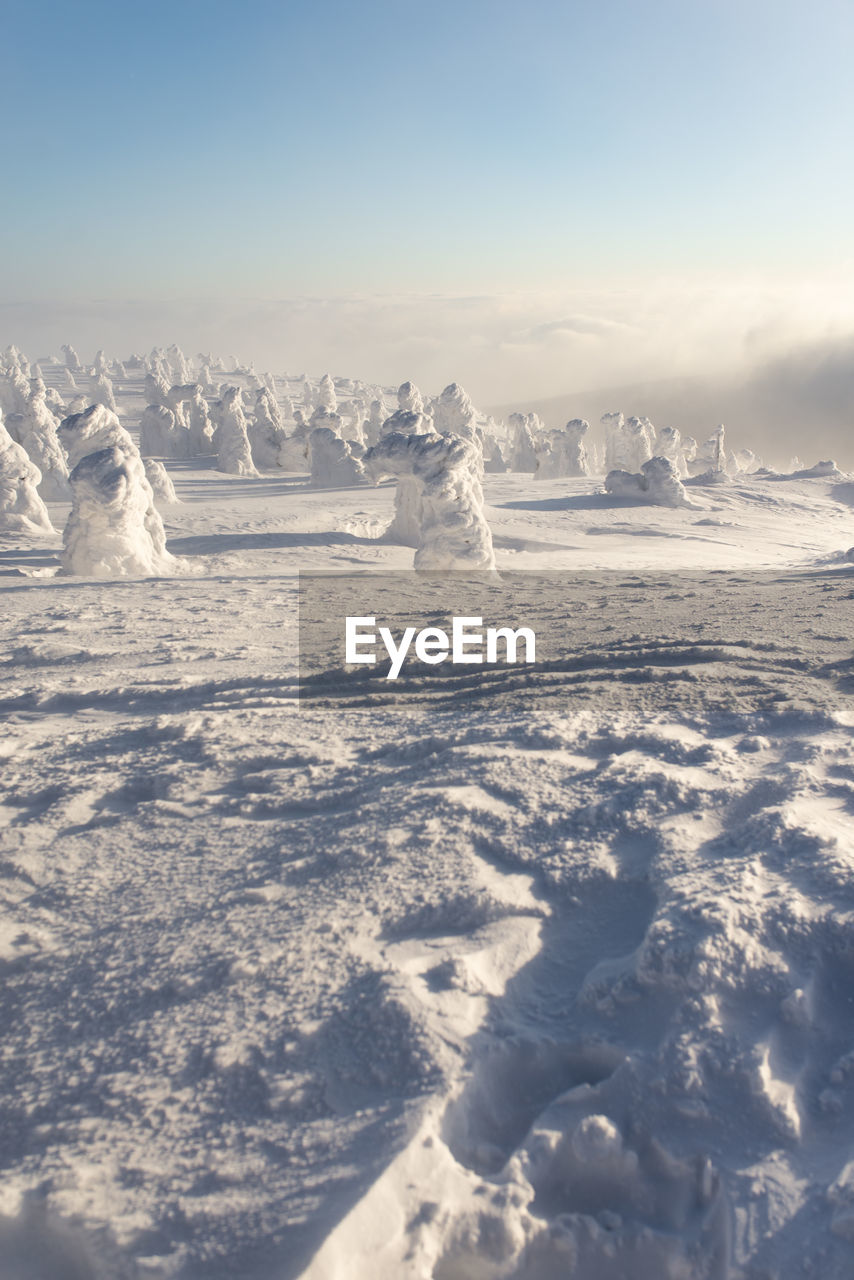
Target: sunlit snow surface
(554, 980)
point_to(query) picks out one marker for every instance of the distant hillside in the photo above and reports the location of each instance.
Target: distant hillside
(802, 405)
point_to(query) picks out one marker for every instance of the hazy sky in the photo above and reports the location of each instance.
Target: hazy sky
(269, 150)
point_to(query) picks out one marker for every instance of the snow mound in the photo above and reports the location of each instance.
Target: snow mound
(440, 500)
(657, 482)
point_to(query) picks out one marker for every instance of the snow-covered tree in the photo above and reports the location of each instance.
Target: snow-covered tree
(326, 397)
(114, 529)
(232, 441)
(266, 430)
(161, 435)
(161, 482)
(333, 464)
(72, 359)
(21, 508)
(37, 429)
(526, 428)
(562, 453)
(101, 391)
(439, 504)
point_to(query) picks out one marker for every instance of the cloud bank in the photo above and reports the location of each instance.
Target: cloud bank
(777, 354)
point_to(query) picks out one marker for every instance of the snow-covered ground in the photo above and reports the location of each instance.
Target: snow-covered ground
(534, 976)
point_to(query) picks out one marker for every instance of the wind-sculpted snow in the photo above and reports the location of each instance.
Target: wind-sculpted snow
(439, 502)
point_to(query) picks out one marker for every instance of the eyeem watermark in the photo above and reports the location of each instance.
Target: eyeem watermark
(469, 642)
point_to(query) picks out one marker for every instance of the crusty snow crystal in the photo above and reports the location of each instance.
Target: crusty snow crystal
(333, 464)
(444, 499)
(232, 442)
(114, 529)
(21, 508)
(657, 482)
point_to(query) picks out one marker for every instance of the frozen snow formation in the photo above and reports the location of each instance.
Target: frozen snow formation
(72, 359)
(409, 398)
(161, 435)
(527, 430)
(562, 453)
(710, 456)
(333, 465)
(101, 391)
(21, 507)
(326, 397)
(178, 363)
(668, 444)
(234, 454)
(657, 482)
(37, 431)
(439, 501)
(454, 414)
(196, 418)
(267, 434)
(628, 444)
(114, 529)
(160, 480)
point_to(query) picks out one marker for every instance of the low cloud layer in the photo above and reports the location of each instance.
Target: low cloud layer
(772, 360)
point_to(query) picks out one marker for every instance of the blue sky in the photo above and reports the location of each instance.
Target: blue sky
(271, 149)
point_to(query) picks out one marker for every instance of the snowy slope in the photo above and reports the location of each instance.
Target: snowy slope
(554, 980)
